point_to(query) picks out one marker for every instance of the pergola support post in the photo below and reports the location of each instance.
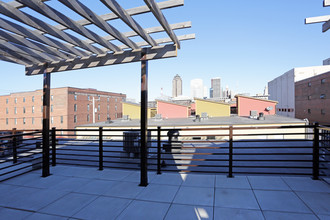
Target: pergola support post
(45, 124)
(144, 118)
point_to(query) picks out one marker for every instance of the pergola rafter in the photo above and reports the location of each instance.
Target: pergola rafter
(321, 19)
(46, 48)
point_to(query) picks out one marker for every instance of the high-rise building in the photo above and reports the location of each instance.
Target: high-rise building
(69, 107)
(176, 86)
(196, 88)
(215, 91)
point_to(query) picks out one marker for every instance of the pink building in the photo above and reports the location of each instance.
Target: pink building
(172, 110)
(246, 104)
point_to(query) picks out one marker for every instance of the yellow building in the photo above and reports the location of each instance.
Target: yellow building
(212, 108)
(133, 110)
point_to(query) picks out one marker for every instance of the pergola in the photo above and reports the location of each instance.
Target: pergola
(321, 19)
(45, 48)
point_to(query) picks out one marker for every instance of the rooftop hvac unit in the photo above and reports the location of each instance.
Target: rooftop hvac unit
(204, 115)
(158, 116)
(253, 114)
(126, 117)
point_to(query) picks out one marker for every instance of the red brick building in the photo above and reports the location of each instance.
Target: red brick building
(69, 107)
(312, 98)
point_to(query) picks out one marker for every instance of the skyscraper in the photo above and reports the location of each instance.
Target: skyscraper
(176, 86)
(196, 88)
(215, 91)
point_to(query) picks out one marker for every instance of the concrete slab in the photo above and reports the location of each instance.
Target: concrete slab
(230, 213)
(188, 212)
(39, 216)
(158, 193)
(135, 177)
(97, 187)
(280, 201)
(270, 215)
(307, 184)
(238, 182)
(103, 208)
(235, 198)
(195, 196)
(6, 213)
(324, 217)
(199, 180)
(144, 210)
(71, 184)
(169, 179)
(268, 183)
(23, 179)
(108, 174)
(69, 204)
(128, 190)
(318, 202)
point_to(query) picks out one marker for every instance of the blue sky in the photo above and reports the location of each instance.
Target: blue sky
(246, 43)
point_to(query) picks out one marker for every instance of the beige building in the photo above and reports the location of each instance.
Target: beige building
(69, 107)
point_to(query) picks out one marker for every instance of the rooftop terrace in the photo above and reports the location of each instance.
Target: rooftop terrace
(86, 193)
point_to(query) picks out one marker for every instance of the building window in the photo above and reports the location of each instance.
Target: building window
(6, 121)
(309, 111)
(108, 117)
(23, 99)
(108, 99)
(51, 108)
(116, 115)
(322, 111)
(15, 110)
(15, 121)
(6, 110)
(108, 107)
(52, 120)
(15, 100)
(309, 97)
(322, 96)
(309, 84)
(23, 110)
(98, 117)
(98, 107)
(61, 119)
(75, 97)
(88, 97)
(42, 108)
(32, 98)
(42, 98)
(116, 100)
(23, 121)
(115, 107)
(88, 107)
(32, 109)
(88, 118)
(75, 118)
(33, 121)
(323, 81)
(52, 97)
(6, 101)
(75, 107)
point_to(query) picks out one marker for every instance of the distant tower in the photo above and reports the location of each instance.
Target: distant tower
(266, 90)
(215, 88)
(196, 88)
(176, 86)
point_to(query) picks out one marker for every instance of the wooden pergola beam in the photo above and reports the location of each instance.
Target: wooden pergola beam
(162, 20)
(159, 52)
(318, 19)
(326, 3)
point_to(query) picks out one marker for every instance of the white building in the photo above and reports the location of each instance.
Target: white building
(282, 88)
(196, 88)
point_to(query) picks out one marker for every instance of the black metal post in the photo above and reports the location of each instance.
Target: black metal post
(45, 125)
(158, 151)
(14, 141)
(53, 146)
(230, 173)
(316, 154)
(144, 117)
(100, 148)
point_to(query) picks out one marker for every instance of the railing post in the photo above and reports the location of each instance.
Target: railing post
(316, 156)
(53, 146)
(100, 148)
(14, 145)
(230, 171)
(158, 150)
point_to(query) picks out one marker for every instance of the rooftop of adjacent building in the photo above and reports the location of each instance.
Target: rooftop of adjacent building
(191, 121)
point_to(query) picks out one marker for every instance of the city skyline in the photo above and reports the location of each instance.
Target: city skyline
(271, 46)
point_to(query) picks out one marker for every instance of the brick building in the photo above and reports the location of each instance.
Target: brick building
(312, 98)
(69, 107)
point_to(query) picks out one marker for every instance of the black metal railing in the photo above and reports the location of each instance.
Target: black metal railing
(20, 152)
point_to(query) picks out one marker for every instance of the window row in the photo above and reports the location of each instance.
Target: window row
(90, 98)
(24, 120)
(323, 81)
(32, 109)
(32, 99)
(75, 107)
(322, 96)
(309, 111)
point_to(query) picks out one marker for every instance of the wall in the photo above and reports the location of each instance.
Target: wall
(246, 104)
(308, 99)
(133, 110)
(170, 110)
(213, 109)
